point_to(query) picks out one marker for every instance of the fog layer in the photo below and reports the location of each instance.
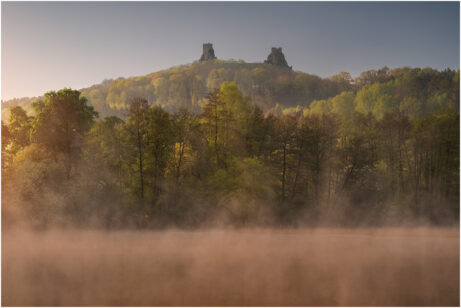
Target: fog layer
(371, 267)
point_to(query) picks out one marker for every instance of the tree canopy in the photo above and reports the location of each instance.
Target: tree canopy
(374, 150)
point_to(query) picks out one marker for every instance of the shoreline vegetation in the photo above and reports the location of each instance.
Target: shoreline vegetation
(382, 150)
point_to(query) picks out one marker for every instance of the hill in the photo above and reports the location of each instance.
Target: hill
(272, 84)
(386, 146)
(187, 85)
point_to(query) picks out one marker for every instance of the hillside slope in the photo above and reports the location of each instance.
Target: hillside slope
(187, 85)
(415, 91)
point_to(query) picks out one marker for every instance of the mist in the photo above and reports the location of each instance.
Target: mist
(217, 196)
(246, 267)
(56, 257)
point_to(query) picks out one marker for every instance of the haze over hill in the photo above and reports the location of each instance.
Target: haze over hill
(223, 182)
(271, 85)
(143, 37)
(268, 83)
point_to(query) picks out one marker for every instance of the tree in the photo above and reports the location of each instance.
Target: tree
(259, 129)
(237, 116)
(184, 127)
(135, 130)
(373, 76)
(104, 146)
(19, 126)
(377, 98)
(60, 122)
(321, 133)
(159, 146)
(213, 114)
(358, 152)
(5, 142)
(343, 80)
(285, 130)
(395, 129)
(226, 119)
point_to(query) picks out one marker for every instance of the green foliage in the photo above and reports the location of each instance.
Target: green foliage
(226, 118)
(377, 99)
(60, 122)
(295, 145)
(104, 147)
(184, 86)
(18, 129)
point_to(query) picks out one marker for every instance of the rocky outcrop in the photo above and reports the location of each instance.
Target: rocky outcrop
(208, 52)
(276, 57)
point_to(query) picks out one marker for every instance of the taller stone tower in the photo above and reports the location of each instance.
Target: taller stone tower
(208, 52)
(276, 57)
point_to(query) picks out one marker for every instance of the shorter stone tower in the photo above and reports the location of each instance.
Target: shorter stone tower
(208, 52)
(276, 57)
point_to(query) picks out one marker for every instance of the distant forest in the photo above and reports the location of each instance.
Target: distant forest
(187, 86)
(239, 144)
(269, 86)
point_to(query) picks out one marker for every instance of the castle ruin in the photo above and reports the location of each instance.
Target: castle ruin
(208, 52)
(276, 57)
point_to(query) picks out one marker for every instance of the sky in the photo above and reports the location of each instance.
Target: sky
(51, 45)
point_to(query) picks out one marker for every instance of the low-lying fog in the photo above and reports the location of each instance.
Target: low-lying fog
(388, 266)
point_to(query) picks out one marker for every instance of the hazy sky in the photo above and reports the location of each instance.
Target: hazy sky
(51, 45)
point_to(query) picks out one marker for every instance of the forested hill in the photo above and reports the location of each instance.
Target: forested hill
(271, 87)
(187, 86)
(383, 150)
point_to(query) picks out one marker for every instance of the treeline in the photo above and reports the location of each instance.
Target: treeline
(187, 86)
(363, 158)
(270, 87)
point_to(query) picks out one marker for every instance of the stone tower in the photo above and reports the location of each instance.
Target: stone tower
(208, 52)
(276, 57)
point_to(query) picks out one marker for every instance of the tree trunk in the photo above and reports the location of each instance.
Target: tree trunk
(141, 176)
(284, 170)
